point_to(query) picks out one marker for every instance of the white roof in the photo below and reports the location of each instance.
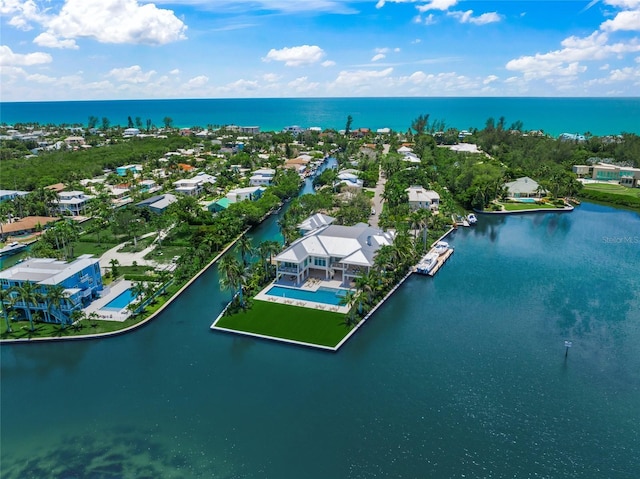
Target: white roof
(522, 185)
(47, 270)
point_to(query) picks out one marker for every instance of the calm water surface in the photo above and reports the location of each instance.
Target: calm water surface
(461, 375)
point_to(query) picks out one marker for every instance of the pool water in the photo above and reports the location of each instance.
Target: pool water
(526, 200)
(322, 295)
(120, 302)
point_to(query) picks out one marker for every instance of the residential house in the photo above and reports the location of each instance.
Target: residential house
(524, 187)
(72, 141)
(122, 170)
(128, 132)
(420, 197)
(251, 193)
(582, 171)
(314, 222)
(332, 252)
(350, 177)
(73, 202)
(80, 278)
(26, 225)
(262, 177)
(9, 195)
(158, 204)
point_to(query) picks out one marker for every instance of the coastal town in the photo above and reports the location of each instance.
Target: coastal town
(105, 226)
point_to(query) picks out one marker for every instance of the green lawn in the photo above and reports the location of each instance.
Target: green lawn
(527, 206)
(616, 189)
(289, 322)
(91, 248)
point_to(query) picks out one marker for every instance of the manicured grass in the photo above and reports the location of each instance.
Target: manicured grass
(289, 322)
(610, 188)
(528, 206)
(164, 254)
(95, 249)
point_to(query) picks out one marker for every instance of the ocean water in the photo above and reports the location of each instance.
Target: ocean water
(460, 375)
(599, 116)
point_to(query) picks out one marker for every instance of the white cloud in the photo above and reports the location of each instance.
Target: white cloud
(106, 21)
(296, 56)
(132, 74)
(48, 40)
(39, 78)
(489, 79)
(292, 6)
(379, 56)
(627, 20)
(270, 77)
(197, 82)
(328, 63)
(467, 17)
(437, 5)
(9, 58)
(359, 78)
(302, 85)
(564, 61)
(175, 71)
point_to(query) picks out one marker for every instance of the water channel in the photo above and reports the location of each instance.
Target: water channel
(461, 375)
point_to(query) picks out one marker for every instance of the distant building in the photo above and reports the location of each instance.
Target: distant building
(420, 198)
(262, 177)
(73, 202)
(131, 132)
(8, 195)
(80, 278)
(524, 187)
(251, 193)
(158, 204)
(122, 170)
(572, 137)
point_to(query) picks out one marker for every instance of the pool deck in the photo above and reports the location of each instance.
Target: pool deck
(311, 284)
(114, 290)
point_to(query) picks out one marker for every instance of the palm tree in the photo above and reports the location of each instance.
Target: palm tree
(231, 275)
(55, 297)
(245, 247)
(349, 300)
(7, 300)
(29, 295)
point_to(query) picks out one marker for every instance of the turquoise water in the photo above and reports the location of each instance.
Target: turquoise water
(460, 375)
(321, 295)
(525, 200)
(121, 301)
(600, 116)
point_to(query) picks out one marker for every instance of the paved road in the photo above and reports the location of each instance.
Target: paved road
(377, 201)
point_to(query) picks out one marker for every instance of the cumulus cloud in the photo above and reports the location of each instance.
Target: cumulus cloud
(106, 21)
(359, 78)
(328, 63)
(566, 60)
(197, 82)
(489, 79)
(467, 17)
(132, 74)
(379, 56)
(175, 71)
(9, 58)
(296, 56)
(270, 77)
(302, 85)
(437, 5)
(48, 40)
(39, 78)
(626, 20)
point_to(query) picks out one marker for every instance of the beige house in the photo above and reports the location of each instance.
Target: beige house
(421, 198)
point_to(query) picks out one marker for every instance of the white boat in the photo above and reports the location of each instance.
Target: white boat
(441, 247)
(12, 248)
(472, 219)
(427, 263)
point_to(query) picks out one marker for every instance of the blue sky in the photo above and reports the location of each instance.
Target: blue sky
(119, 49)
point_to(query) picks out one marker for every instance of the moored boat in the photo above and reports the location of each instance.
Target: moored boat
(427, 263)
(472, 219)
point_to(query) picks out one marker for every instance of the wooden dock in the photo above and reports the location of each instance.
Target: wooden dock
(441, 260)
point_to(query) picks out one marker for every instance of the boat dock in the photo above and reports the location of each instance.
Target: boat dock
(441, 260)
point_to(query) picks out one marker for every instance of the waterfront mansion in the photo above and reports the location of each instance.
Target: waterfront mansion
(332, 252)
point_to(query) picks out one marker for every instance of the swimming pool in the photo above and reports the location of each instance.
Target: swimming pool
(322, 295)
(526, 200)
(120, 302)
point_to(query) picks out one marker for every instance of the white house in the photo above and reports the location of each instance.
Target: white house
(262, 177)
(314, 222)
(72, 202)
(188, 186)
(524, 187)
(422, 198)
(240, 194)
(131, 132)
(349, 177)
(332, 252)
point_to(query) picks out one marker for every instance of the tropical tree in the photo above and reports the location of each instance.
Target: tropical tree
(29, 295)
(231, 275)
(349, 300)
(7, 301)
(246, 248)
(55, 297)
(114, 263)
